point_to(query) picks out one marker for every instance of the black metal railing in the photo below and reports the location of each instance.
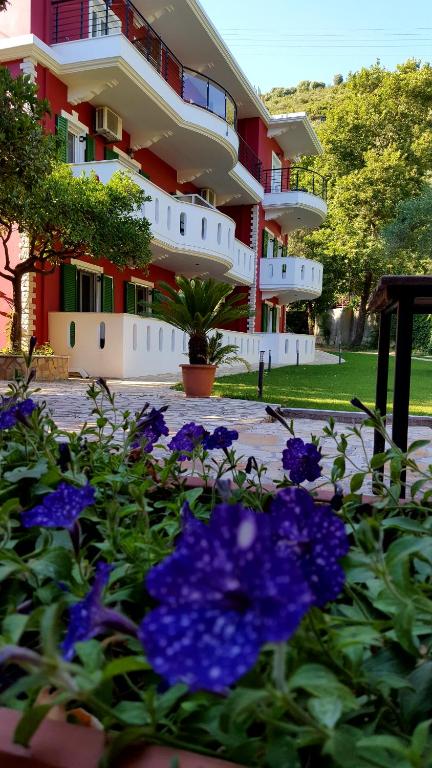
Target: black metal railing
(248, 158)
(81, 19)
(294, 179)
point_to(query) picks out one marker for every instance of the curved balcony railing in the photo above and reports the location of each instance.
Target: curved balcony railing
(294, 179)
(83, 19)
(249, 160)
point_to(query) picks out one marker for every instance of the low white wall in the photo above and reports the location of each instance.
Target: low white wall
(286, 272)
(128, 346)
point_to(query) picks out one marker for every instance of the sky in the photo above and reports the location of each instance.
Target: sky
(280, 42)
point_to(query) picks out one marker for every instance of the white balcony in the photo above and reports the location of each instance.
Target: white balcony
(190, 237)
(128, 346)
(295, 198)
(290, 279)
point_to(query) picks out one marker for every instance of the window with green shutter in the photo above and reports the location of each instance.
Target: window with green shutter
(62, 138)
(274, 319)
(107, 294)
(110, 154)
(130, 298)
(68, 288)
(264, 317)
(275, 248)
(285, 250)
(265, 239)
(90, 149)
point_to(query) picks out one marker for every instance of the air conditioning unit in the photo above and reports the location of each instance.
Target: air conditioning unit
(209, 195)
(108, 124)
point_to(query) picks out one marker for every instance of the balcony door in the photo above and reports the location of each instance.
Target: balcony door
(102, 20)
(276, 177)
(89, 291)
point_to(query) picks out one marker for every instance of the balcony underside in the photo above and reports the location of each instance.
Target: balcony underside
(289, 294)
(201, 146)
(295, 210)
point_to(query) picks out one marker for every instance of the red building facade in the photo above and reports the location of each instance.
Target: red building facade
(153, 91)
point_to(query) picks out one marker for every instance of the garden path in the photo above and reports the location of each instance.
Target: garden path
(258, 435)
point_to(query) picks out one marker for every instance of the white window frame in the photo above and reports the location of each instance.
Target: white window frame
(78, 130)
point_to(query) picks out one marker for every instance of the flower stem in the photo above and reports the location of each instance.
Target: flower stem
(279, 667)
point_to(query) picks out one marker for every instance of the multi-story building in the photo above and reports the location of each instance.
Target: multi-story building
(150, 88)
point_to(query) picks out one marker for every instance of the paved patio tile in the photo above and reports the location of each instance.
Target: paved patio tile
(258, 435)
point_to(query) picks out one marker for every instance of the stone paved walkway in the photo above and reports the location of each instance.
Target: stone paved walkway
(258, 435)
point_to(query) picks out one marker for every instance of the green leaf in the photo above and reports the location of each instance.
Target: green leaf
(281, 752)
(385, 741)
(13, 626)
(326, 710)
(125, 665)
(415, 703)
(24, 473)
(320, 681)
(133, 712)
(420, 739)
(404, 628)
(356, 481)
(378, 460)
(50, 627)
(30, 722)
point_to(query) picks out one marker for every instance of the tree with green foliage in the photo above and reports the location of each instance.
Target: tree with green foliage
(59, 215)
(410, 232)
(377, 139)
(338, 79)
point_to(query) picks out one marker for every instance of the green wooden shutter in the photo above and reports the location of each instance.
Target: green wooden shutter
(90, 148)
(265, 239)
(275, 248)
(69, 293)
(62, 138)
(274, 319)
(130, 298)
(264, 317)
(285, 250)
(107, 294)
(110, 154)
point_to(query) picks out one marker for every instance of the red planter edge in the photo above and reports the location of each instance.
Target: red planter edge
(62, 745)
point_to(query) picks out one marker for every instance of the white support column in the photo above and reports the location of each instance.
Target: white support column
(254, 246)
(28, 288)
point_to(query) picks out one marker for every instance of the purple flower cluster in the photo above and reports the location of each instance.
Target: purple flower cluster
(192, 435)
(89, 617)
(221, 438)
(61, 508)
(187, 439)
(302, 459)
(223, 593)
(13, 411)
(315, 536)
(150, 429)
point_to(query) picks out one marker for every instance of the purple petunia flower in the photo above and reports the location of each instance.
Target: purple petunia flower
(89, 617)
(302, 459)
(223, 593)
(187, 438)
(316, 536)
(150, 429)
(13, 411)
(221, 438)
(61, 508)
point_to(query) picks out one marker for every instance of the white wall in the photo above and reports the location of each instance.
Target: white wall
(142, 346)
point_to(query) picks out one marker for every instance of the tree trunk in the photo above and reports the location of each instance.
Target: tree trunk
(16, 325)
(198, 349)
(310, 318)
(361, 317)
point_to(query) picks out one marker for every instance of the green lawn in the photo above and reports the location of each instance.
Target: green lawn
(329, 386)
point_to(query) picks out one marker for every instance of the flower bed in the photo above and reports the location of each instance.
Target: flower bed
(242, 623)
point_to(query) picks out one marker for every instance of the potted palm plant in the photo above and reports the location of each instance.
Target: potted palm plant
(198, 307)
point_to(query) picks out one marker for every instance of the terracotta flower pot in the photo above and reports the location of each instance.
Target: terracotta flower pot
(61, 745)
(198, 379)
